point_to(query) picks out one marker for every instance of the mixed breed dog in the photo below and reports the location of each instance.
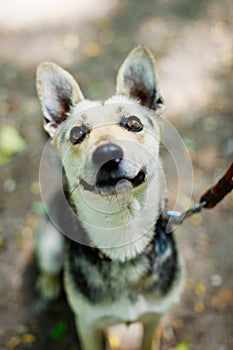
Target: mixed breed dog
(129, 269)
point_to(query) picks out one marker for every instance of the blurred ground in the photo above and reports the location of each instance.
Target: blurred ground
(192, 41)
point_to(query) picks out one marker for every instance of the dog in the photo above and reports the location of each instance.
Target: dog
(120, 265)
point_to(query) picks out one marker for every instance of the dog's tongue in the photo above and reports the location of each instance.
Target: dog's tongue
(123, 185)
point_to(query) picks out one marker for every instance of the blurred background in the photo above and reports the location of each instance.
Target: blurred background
(192, 43)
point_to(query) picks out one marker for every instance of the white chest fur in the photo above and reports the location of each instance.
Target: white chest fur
(122, 227)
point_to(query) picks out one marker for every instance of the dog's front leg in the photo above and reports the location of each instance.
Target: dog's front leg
(90, 338)
(50, 246)
(150, 341)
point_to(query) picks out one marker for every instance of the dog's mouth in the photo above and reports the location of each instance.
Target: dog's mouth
(106, 182)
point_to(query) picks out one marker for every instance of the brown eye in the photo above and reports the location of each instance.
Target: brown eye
(132, 123)
(77, 134)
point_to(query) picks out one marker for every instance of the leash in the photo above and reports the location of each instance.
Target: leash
(208, 200)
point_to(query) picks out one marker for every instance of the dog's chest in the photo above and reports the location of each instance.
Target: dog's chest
(99, 278)
(107, 292)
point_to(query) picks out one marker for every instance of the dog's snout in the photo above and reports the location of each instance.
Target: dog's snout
(108, 153)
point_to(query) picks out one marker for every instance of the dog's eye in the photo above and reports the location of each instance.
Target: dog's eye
(132, 123)
(77, 134)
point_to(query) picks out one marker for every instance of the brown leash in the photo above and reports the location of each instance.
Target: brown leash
(208, 200)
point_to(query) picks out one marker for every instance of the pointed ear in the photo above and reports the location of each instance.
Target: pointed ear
(58, 92)
(137, 78)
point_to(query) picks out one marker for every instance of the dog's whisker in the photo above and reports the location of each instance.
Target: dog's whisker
(74, 188)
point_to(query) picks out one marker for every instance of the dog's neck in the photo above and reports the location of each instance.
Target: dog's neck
(120, 227)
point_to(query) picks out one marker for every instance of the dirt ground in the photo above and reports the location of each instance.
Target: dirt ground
(192, 43)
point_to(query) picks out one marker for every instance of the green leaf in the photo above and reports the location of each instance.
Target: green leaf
(10, 143)
(183, 346)
(3, 159)
(58, 331)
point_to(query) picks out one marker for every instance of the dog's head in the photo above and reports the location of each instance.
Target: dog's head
(107, 148)
(99, 141)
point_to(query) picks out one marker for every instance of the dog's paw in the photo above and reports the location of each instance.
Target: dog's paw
(48, 285)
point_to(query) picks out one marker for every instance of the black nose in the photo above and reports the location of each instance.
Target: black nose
(108, 154)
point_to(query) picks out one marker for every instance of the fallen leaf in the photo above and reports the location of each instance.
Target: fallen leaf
(182, 346)
(13, 342)
(114, 341)
(199, 307)
(199, 289)
(28, 338)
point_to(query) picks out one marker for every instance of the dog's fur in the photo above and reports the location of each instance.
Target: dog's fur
(129, 269)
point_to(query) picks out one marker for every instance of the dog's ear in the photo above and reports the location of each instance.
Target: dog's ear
(58, 92)
(137, 78)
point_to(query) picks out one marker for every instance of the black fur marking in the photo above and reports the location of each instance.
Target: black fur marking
(162, 242)
(152, 99)
(139, 88)
(96, 277)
